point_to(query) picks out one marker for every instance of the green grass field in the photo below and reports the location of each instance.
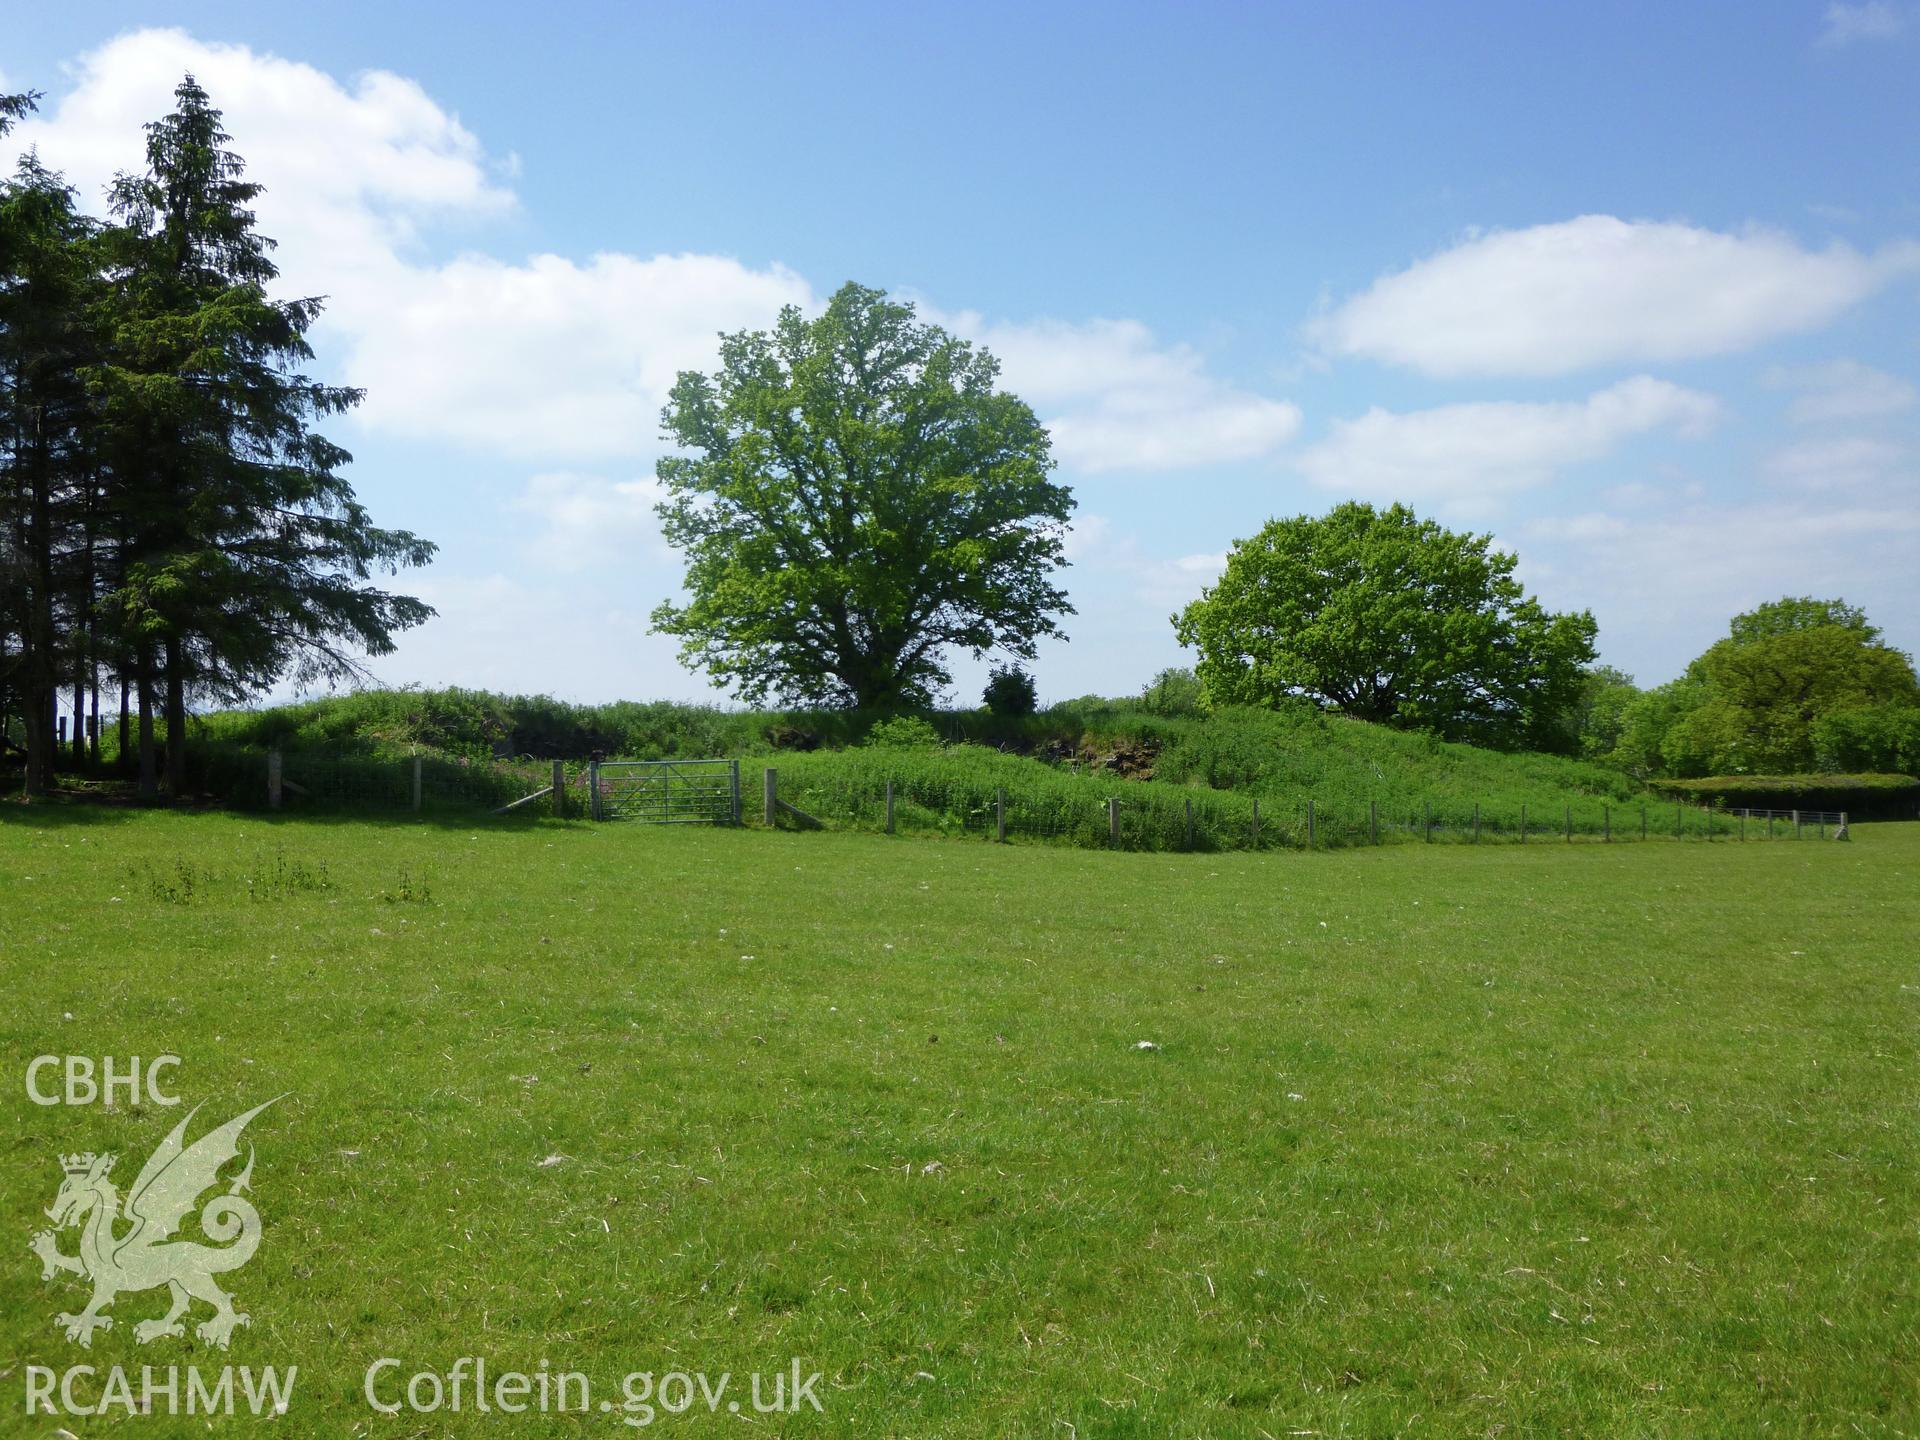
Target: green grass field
(1554, 1140)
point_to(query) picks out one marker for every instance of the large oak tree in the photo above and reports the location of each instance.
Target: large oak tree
(855, 496)
(1391, 618)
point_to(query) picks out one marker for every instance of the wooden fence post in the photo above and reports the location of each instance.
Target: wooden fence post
(1743, 823)
(559, 789)
(1113, 820)
(1606, 823)
(1476, 822)
(1256, 824)
(889, 807)
(1523, 824)
(1373, 820)
(1426, 822)
(1000, 813)
(1569, 824)
(1310, 824)
(1190, 822)
(1643, 822)
(416, 783)
(733, 776)
(1796, 824)
(273, 779)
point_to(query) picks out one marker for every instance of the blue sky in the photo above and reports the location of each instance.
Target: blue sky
(1634, 288)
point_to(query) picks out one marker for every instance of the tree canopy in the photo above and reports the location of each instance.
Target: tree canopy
(174, 516)
(1391, 618)
(1796, 685)
(855, 497)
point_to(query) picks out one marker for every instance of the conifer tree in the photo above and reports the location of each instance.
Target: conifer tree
(246, 556)
(46, 286)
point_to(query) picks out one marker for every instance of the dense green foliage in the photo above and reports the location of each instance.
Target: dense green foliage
(1528, 1141)
(1010, 691)
(172, 517)
(855, 497)
(1388, 617)
(1797, 685)
(1879, 797)
(1871, 737)
(1058, 766)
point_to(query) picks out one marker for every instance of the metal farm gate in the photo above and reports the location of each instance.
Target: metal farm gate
(665, 792)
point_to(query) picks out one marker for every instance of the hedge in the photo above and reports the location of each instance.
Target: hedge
(1862, 797)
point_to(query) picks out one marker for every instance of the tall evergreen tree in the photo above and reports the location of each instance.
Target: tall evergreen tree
(46, 286)
(247, 556)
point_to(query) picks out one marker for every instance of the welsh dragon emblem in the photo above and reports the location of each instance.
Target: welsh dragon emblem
(131, 1246)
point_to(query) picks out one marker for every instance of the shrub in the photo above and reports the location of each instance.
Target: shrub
(1174, 691)
(1010, 691)
(904, 732)
(1862, 797)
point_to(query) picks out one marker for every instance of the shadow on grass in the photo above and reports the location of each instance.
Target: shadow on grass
(73, 810)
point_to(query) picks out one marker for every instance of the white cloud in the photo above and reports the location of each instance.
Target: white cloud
(550, 359)
(585, 521)
(1663, 585)
(1598, 290)
(1873, 20)
(1841, 390)
(1468, 455)
(1115, 398)
(351, 174)
(1856, 462)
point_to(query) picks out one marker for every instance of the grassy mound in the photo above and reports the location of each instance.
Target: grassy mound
(1183, 782)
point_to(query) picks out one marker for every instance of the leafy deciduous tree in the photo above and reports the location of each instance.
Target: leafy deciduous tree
(856, 496)
(1390, 618)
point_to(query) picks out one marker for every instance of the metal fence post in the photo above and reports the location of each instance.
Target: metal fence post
(1310, 825)
(1373, 820)
(1426, 822)
(733, 776)
(1113, 820)
(770, 784)
(273, 779)
(416, 783)
(1796, 824)
(1256, 824)
(889, 807)
(1190, 822)
(559, 789)
(1606, 823)
(1743, 824)
(1643, 822)
(1476, 822)
(1000, 813)
(1569, 824)
(1523, 824)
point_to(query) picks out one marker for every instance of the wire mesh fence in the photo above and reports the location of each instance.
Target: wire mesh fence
(1139, 817)
(421, 783)
(1067, 810)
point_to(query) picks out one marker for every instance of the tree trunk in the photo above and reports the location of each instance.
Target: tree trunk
(41, 680)
(149, 770)
(176, 719)
(33, 719)
(123, 757)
